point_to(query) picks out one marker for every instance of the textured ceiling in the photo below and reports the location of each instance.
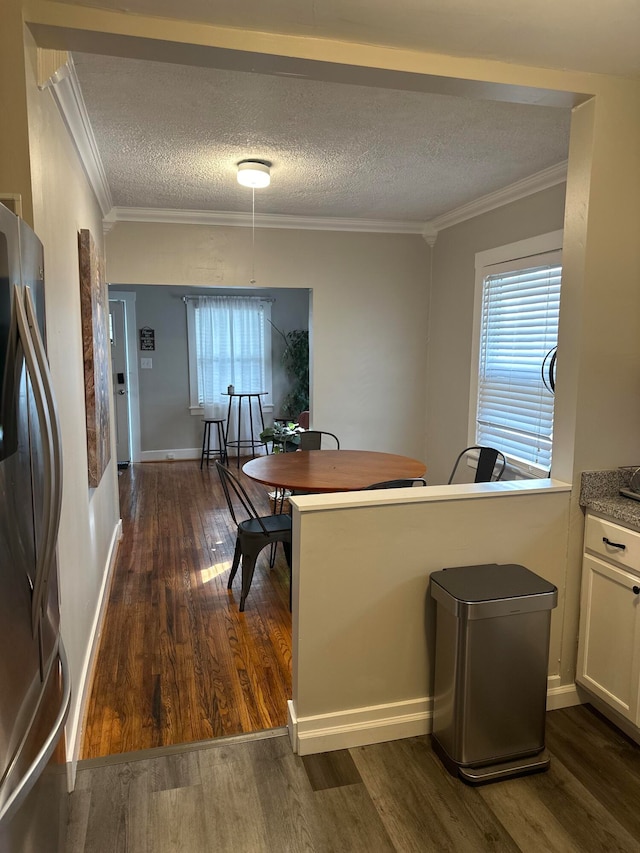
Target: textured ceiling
(170, 136)
(585, 35)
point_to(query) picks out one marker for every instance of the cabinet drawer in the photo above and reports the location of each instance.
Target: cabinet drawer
(612, 542)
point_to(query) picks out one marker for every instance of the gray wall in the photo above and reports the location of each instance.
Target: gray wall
(451, 314)
(165, 421)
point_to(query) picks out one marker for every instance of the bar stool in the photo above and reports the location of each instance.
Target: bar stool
(221, 450)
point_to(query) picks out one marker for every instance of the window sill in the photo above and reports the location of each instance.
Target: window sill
(198, 411)
(515, 470)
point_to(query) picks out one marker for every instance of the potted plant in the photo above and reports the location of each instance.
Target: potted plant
(295, 360)
(284, 436)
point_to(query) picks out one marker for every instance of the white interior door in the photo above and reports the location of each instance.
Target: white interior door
(120, 380)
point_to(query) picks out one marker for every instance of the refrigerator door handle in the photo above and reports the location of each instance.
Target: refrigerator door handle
(56, 445)
(48, 538)
(47, 749)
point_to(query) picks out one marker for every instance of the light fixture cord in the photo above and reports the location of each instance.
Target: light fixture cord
(253, 235)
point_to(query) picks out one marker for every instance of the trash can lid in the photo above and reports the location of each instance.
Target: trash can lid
(466, 588)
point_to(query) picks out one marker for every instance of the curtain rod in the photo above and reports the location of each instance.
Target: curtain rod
(186, 299)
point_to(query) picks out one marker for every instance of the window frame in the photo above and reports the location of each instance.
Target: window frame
(523, 253)
(195, 407)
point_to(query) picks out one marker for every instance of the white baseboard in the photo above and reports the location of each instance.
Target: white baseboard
(360, 726)
(74, 728)
(292, 725)
(182, 454)
(379, 723)
(561, 695)
(179, 455)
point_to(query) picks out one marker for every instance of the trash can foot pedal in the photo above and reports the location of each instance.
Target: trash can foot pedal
(494, 772)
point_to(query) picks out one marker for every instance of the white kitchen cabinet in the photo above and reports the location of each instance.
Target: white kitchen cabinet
(609, 643)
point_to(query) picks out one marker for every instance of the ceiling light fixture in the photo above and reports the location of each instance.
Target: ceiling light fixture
(254, 174)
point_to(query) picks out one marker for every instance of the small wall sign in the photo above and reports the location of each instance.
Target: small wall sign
(147, 339)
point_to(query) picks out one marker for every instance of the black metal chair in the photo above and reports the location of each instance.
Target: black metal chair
(398, 484)
(490, 462)
(312, 439)
(254, 533)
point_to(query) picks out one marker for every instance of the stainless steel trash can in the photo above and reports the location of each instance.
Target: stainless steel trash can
(491, 662)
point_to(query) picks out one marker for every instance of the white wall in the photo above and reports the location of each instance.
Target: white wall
(451, 314)
(369, 312)
(63, 204)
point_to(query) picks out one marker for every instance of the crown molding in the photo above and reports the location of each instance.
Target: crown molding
(520, 189)
(262, 220)
(65, 88)
(428, 230)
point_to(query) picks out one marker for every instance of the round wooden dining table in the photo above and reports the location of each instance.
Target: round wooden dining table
(331, 470)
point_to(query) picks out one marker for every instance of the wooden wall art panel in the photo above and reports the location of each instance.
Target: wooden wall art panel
(95, 343)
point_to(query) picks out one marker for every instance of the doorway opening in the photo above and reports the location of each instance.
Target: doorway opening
(124, 376)
(178, 662)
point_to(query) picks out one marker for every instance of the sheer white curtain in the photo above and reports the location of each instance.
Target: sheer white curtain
(231, 349)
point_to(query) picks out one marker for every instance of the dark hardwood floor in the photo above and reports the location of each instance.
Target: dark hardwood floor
(178, 665)
(177, 661)
(258, 797)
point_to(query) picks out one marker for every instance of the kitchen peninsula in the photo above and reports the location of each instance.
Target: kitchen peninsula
(364, 623)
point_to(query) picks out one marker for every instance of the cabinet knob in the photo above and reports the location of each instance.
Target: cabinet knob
(635, 590)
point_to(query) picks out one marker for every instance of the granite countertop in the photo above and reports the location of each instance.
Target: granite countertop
(600, 492)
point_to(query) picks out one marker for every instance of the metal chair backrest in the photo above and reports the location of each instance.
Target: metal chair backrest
(231, 486)
(311, 439)
(398, 484)
(488, 458)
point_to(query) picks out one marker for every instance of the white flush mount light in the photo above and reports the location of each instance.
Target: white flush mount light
(254, 173)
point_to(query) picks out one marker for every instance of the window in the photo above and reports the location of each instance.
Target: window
(518, 303)
(229, 344)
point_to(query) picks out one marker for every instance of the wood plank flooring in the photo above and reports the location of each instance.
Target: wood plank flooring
(258, 797)
(177, 661)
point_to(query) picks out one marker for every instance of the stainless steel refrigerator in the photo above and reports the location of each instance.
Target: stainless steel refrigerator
(34, 683)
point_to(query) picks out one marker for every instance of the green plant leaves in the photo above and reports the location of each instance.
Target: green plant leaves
(295, 360)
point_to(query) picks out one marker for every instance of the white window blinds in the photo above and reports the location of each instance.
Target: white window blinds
(519, 325)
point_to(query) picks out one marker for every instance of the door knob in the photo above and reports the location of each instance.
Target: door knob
(121, 392)
(635, 590)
